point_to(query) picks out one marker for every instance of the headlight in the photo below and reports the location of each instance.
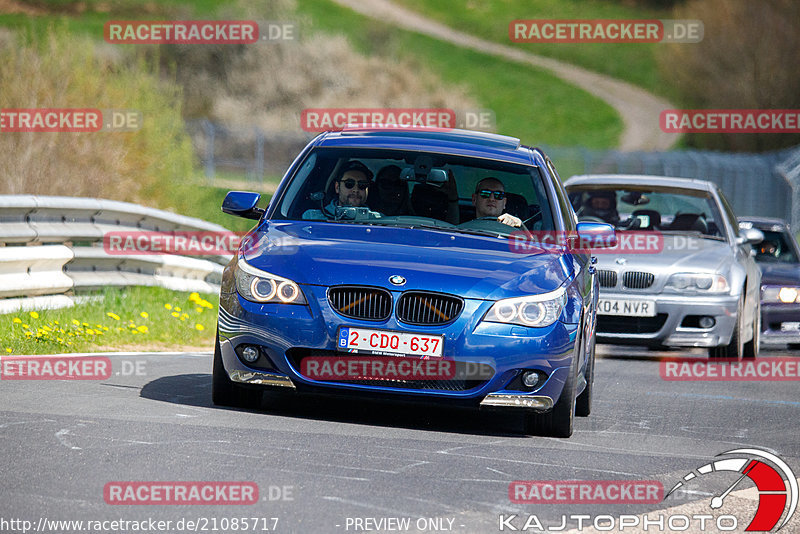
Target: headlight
(534, 310)
(260, 286)
(708, 283)
(785, 294)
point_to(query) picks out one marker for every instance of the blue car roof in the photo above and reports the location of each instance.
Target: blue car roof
(450, 141)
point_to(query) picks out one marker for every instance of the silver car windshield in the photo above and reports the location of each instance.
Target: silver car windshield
(672, 211)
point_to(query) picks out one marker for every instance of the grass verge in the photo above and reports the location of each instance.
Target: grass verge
(633, 62)
(148, 318)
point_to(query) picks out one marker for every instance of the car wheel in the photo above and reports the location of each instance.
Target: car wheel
(794, 346)
(225, 392)
(752, 347)
(558, 422)
(735, 348)
(583, 404)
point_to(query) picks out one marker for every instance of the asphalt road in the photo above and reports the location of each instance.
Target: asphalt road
(323, 465)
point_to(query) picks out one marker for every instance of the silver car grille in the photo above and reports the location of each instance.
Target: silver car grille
(638, 280)
(607, 278)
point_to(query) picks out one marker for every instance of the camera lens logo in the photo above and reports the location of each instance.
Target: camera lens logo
(775, 481)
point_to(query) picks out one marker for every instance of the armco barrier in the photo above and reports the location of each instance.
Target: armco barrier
(51, 245)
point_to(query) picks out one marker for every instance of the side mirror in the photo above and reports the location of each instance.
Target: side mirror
(750, 236)
(596, 235)
(242, 204)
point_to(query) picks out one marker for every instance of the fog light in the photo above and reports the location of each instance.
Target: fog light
(706, 322)
(530, 378)
(250, 353)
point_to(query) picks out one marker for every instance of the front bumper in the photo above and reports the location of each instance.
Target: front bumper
(774, 327)
(670, 327)
(283, 331)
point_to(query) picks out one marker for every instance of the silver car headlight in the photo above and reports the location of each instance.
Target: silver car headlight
(782, 294)
(533, 310)
(260, 286)
(704, 282)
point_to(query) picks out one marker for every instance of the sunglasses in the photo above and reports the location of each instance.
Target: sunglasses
(350, 184)
(486, 193)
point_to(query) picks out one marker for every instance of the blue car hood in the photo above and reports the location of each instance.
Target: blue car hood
(471, 266)
(782, 274)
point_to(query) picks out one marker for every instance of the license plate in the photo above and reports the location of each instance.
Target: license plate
(790, 327)
(630, 308)
(369, 341)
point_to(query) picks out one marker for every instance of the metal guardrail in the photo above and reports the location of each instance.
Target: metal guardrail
(52, 245)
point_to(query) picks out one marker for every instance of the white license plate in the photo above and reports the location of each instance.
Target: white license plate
(366, 340)
(630, 308)
(790, 327)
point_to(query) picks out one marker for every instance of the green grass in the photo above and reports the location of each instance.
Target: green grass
(528, 103)
(633, 62)
(203, 201)
(135, 316)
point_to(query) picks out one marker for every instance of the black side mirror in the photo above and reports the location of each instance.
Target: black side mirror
(242, 204)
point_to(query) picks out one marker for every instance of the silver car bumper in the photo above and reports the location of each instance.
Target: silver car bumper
(668, 327)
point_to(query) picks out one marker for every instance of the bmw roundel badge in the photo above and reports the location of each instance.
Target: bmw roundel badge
(397, 280)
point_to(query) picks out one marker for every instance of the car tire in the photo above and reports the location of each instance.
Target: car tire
(752, 347)
(559, 421)
(735, 348)
(225, 392)
(794, 346)
(583, 404)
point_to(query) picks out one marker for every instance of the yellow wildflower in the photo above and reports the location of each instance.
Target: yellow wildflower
(113, 316)
(143, 329)
(144, 315)
(16, 320)
(199, 327)
(168, 306)
(34, 315)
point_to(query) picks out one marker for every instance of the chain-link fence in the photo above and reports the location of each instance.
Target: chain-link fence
(248, 154)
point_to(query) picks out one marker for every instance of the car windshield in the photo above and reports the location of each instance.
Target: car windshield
(684, 211)
(414, 189)
(776, 247)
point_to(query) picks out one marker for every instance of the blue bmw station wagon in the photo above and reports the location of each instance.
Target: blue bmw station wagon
(385, 264)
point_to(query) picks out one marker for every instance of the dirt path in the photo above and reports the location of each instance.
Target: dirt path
(638, 108)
